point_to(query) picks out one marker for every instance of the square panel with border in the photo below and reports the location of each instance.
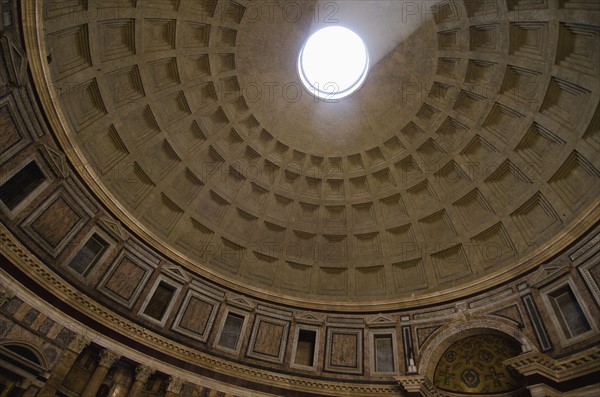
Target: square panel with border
(56, 221)
(268, 339)
(344, 350)
(126, 277)
(196, 316)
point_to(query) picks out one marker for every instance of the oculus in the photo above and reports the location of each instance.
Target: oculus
(333, 63)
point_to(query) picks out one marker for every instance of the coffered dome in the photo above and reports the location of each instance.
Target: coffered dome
(471, 145)
(180, 214)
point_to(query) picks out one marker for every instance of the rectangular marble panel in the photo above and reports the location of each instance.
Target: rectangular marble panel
(125, 279)
(268, 339)
(196, 316)
(344, 350)
(56, 221)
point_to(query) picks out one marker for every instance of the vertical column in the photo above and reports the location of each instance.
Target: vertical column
(60, 371)
(142, 373)
(175, 385)
(107, 359)
(198, 391)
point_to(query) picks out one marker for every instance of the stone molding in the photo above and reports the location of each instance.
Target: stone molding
(411, 383)
(579, 364)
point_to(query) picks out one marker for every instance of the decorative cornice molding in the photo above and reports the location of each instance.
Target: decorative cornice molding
(547, 273)
(411, 383)
(381, 320)
(240, 301)
(309, 318)
(114, 228)
(536, 363)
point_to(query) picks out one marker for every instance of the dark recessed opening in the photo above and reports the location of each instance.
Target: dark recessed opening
(570, 315)
(20, 185)
(160, 301)
(231, 331)
(305, 350)
(88, 255)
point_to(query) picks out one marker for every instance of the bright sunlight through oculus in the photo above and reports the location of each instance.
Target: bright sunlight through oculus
(333, 63)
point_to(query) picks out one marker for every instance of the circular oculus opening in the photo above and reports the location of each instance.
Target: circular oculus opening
(333, 63)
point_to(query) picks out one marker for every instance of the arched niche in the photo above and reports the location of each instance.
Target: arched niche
(475, 365)
(25, 354)
(22, 366)
(446, 337)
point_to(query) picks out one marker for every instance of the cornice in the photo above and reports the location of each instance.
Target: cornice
(558, 370)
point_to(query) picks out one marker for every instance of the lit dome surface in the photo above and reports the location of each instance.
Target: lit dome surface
(333, 63)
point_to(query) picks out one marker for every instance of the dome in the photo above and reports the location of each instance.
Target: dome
(441, 172)
(198, 161)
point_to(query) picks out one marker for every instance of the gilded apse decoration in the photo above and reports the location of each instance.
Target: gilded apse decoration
(474, 365)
